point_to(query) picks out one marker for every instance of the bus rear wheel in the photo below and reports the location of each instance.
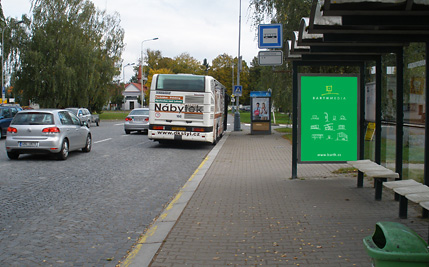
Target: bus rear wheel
(215, 136)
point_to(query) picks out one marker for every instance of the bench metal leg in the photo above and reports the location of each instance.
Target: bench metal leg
(403, 207)
(360, 179)
(378, 183)
(396, 194)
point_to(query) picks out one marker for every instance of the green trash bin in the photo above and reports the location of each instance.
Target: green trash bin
(395, 245)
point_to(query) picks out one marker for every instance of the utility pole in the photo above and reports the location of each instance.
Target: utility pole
(237, 126)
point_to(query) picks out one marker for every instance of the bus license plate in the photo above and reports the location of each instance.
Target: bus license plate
(28, 144)
(178, 128)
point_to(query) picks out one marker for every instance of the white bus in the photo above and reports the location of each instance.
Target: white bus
(187, 107)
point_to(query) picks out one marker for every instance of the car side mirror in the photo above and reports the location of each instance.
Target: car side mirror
(84, 123)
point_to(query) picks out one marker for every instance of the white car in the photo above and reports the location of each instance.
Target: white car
(137, 120)
(85, 115)
(47, 131)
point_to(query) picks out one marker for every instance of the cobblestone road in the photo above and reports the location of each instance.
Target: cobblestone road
(91, 208)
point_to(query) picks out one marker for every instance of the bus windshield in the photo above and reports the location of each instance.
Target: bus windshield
(189, 83)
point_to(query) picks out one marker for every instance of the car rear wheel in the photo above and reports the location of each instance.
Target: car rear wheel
(1, 133)
(127, 132)
(64, 153)
(88, 144)
(12, 155)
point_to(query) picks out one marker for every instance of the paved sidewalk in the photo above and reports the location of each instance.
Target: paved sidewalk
(244, 210)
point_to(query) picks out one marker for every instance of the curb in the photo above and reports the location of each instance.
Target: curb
(149, 243)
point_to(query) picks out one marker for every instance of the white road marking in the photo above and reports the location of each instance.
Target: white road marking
(103, 140)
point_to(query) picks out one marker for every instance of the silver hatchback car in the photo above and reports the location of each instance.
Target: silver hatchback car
(137, 120)
(46, 131)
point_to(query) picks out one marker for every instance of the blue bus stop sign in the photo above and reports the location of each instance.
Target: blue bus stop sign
(270, 36)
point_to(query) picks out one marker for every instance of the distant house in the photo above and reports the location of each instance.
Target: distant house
(133, 93)
(132, 96)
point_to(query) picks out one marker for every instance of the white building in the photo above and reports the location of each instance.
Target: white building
(132, 96)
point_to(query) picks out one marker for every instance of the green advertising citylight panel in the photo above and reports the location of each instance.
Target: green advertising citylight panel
(329, 118)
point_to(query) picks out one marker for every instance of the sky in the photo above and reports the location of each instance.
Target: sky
(202, 28)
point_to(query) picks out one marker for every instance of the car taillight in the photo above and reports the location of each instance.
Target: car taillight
(198, 129)
(158, 127)
(12, 130)
(128, 119)
(146, 119)
(51, 130)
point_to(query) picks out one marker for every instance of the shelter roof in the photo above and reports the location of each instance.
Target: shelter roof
(360, 27)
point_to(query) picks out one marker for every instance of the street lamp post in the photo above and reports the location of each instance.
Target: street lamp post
(142, 70)
(123, 71)
(3, 90)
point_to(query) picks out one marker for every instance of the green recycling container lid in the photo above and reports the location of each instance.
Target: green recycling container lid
(394, 241)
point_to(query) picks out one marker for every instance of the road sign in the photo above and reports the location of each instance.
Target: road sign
(270, 58)
(238, 89)
(270, 36)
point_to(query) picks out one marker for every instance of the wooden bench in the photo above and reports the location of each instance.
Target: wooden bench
(379, 173)
(409, 190)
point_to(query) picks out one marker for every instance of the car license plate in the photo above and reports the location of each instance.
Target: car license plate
(178, 128)
(28, 144)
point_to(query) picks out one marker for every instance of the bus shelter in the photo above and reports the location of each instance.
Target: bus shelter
(260, 107)
(363, 33)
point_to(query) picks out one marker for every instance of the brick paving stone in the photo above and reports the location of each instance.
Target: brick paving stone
(247, 211)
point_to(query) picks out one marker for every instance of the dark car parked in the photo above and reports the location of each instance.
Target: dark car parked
(6, 115)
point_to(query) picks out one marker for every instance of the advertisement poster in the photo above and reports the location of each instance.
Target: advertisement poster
(329, 118)
(260, 109)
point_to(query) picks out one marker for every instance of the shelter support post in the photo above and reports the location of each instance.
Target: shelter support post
(295, 120)
(426, 157)
(399, 110)
(361, 121)
(378, 111)
(399, 118)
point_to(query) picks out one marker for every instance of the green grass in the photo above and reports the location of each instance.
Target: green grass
(287, 133)
(281, 118)
(284, 130)
(113, 115)
(345, 170)
(415, 174)
(244, 116)
(411, 154)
